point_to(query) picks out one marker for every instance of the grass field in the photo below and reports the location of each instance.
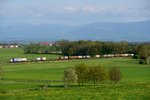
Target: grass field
(7, 53)
(135, 83)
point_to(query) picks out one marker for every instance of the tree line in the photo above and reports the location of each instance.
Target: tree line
(81, 73)
(92, 48)
(41, 49)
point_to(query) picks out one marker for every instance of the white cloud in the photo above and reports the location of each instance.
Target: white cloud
(35, 13)
(71, 9)
(3, 13)
(90, 9)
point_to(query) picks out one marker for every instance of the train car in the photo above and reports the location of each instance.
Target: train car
(118, 55)
(130, 55)
(87, 56)
(66, 57)
(97, 56)
(41, 59)
(83, 57)
(110, 55)
(13, 60)
(73, 57)
(38, 59)
(80, 57)
(126, 55)
(63, 57)
(105, 56)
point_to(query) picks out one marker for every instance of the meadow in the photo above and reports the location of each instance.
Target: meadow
(135, 83)
(8, 53)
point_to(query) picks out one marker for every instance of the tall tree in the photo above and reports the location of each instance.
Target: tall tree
(144, 51)
(0, 71)
(81, 71)
(69, 76)
(97, 74)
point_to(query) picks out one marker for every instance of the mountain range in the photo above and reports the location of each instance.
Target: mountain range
(104, 31)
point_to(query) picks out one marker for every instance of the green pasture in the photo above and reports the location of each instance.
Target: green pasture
(88, 92)
(131, 70)
(7, 53)
(135, 83)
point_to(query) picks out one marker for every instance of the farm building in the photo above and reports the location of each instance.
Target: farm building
(46, 43)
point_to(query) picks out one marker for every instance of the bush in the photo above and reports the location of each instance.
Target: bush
(142, 61)
(115, 74)
(136, 57)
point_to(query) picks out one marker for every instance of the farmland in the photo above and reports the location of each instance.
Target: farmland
(6, 54)
(135, 83)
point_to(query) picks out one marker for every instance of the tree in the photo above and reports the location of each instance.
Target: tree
(71, 51)
(69, 76)
(120, 47)
(97, 73)
(115, 74)
(144, 51)
(93, 51)
(0, 72)
(148, 60)
(81, 71)
(144, 54)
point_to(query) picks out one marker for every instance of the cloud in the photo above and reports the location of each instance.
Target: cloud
(90, 9)
(80, 9)
(71, 9)
(34, 13)
(3, 13)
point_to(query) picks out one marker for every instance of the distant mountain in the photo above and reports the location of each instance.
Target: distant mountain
(133, 31)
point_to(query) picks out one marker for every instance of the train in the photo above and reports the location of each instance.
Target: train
(96, 56)
(18, 60)
(13, 60)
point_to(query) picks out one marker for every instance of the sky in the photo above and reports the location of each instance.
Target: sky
(72, 12)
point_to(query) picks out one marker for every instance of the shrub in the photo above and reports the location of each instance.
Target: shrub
(115, 74)
(142, 61)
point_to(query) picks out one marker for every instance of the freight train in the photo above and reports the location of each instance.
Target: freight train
(96, 56)
(13, 60)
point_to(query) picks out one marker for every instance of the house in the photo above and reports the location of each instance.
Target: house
(46, 43)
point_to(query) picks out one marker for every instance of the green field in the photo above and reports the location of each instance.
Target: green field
(135, 83)
(7, 53)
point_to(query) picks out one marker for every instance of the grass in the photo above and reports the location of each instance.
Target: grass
(131, 70)
(136, 80)
(7, 53)
(100, 92)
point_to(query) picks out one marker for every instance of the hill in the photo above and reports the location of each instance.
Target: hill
(107, 31)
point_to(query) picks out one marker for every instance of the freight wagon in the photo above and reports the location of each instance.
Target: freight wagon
(41, 59)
